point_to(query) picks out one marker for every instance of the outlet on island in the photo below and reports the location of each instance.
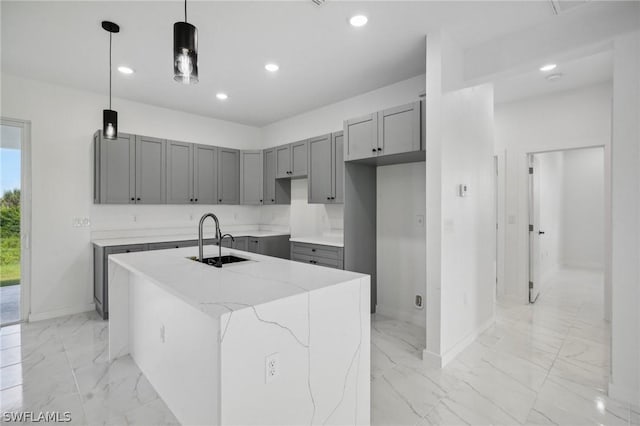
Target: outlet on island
(272, 367)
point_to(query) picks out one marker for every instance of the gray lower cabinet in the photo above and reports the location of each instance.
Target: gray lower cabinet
(251, 175)
(326, 169)
(276, 246)
(205, 174)
(316, 254)
(179, 172)
(228, 176)
(114, 169)
(238, 243)
(101, 273)
(150, 170)
(177, 244)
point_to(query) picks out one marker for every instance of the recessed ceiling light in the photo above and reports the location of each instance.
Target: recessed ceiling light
(358, 20)
(271, 67)
(125, 70)
(222, 96)
(554, 77)
(548, 67)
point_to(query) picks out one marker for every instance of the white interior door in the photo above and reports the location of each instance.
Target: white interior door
(534, 229)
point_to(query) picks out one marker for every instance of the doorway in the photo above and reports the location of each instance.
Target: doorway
(15, 220)
(566, 222)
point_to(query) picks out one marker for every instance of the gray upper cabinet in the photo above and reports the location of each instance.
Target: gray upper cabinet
(114, 169)
(299, 158)
(228, 176)
(251, 186)
(337, 147)
(179, 172)
(326, 169)
(320, 170)
(283, 161)
(269, 177)
(205, 176)
(361, 137)
(150, 170)
(399, 129)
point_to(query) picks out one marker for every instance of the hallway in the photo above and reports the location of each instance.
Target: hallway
(539, 364)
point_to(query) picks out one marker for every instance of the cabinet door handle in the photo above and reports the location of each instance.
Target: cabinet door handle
(379, 149)
(219, 200)
(313, 250)
(196, 200)
(328, 198)
(373, 150)
(191, 200)
(138, 198)
(273, 201)
(260, 201)
(133, 198)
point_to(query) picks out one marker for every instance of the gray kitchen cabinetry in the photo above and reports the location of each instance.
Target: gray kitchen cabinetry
(291, 160)
(101, 273)
(276, 246)
(326, 169)
(361, 137)
(228, 176)
(177, 244)
(251, 176)
(276, 191)
(179, 172)
(316, 254)
(397, 130)
(205, 175)
(150, 170)
(114, 169)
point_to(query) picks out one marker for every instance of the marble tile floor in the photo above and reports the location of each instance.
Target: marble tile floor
(539, 364)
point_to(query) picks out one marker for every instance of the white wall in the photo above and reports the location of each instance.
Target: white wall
(401, 241)
(63, 121)
(566, 120)
(550, 203)
(314, 219)
(583, 208)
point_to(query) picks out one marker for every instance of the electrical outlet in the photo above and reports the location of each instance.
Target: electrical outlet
(80, 222)
(418, 301)
(271, 367)
(162, 334)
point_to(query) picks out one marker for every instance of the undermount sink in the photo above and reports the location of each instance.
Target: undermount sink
(214, 261)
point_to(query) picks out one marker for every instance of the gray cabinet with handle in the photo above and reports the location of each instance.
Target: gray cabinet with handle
(399, 129)
(228, 176)
(283, 161)
(179, 172)
(205, 174)
(317, 254)
(276, 191)
(150, 170)
(114, 169)
(361, 137)
(251, 175)
(299, 158)
(337, 163)
(326, 169)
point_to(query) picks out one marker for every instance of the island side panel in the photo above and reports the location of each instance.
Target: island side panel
(176, 347)
(320, 343)
(119, 315)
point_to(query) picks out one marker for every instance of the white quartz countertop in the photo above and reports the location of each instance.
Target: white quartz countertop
(324, 240)
(107, 242)
(216, 291)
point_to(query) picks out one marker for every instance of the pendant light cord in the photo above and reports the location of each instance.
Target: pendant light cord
(185, 10)
(110, 35)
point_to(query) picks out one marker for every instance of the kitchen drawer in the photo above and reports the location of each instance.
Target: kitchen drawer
(315, 250)
(126, 249)
(320, 261)
(173, 245)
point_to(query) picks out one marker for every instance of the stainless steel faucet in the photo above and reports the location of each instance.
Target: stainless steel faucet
(201, 239)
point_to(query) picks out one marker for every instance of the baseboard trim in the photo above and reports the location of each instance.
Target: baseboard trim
(41, 316)
(434, 360)
(624, 394)
(417, 318)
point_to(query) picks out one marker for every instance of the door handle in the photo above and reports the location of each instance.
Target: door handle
(540, 232)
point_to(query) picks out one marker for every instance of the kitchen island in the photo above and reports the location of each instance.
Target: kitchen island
(263, 341)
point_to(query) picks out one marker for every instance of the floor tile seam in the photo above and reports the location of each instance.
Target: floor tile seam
(75, 382)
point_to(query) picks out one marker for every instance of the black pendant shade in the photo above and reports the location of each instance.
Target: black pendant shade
(185, 51)
(109, 116)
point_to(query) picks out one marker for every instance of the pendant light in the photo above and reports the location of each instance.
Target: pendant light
(109, 116)
(185, 51)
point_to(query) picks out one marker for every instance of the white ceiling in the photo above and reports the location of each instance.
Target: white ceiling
(322, 59)
(576, 72)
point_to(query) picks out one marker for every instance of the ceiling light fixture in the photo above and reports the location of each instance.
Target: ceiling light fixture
(222, 96)
(358, 20)
(109, 116)
(271, 67)
(125, 70)
(185, 51)
(548, 67)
